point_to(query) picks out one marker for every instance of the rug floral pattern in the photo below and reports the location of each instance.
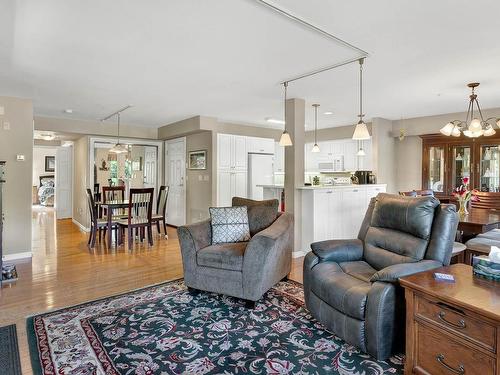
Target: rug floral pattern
(166, 330)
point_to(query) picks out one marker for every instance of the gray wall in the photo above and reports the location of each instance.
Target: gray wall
(199, 182)
(81, 175)
(17, 189)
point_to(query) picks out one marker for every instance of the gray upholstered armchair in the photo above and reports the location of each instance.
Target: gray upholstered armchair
(351, 286)
(245, 269)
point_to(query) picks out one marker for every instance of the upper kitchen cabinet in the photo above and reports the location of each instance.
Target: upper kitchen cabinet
(341, 154)
(232, 152)
(260, 145)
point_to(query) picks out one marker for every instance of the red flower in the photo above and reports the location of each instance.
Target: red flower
(465, 180)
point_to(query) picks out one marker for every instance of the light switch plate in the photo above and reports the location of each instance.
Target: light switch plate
(20, 157)
(6, 125)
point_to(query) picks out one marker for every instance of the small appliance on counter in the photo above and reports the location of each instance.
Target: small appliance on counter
(364, 177)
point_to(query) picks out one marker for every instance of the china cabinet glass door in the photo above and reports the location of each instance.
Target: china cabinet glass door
(460, 164)
(435, 178)
(489, 168)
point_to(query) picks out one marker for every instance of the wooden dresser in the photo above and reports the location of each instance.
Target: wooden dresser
(452, 328)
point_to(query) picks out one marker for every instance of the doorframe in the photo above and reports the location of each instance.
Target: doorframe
(183, 140)
(134, 141)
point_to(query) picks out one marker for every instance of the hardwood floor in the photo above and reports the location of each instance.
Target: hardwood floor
(65, 272)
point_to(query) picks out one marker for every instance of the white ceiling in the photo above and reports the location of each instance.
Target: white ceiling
(225, 58)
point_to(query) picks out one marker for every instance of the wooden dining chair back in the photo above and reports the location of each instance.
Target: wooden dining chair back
(417, 193)
(114, 193)
(161, 209)
(139, 214)
(96, 224)
(486, 200)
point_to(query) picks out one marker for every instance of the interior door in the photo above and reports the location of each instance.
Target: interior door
(176, 171)
(64, 182)
(150, 166)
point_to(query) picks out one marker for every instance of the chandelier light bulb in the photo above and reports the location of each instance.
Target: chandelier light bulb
(447, 129)
(455, 132)
(489, 131)
(498, 122)
(475, 125)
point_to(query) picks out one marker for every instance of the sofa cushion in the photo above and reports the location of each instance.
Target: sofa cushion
(261, 214)
(405, 214)
(343, 292)
(227, 256)
(229, 224)
(358, 269)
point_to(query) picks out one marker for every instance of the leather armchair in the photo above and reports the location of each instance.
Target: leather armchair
(351, 286)
(245, 269)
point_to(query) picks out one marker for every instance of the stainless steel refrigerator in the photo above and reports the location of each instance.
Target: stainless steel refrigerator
(260, 172)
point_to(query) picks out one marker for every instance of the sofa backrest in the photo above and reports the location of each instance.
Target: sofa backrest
(261, 214)
(400, 230)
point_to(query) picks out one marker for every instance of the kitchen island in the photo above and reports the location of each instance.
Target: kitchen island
(334, 212)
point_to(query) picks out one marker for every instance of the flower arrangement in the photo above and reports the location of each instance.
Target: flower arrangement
(464, 195)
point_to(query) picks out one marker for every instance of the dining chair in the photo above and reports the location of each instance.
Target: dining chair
(96, 224)
(161, 210)
(114, 193)
(487, 200)
(139, 215)
(417, 193)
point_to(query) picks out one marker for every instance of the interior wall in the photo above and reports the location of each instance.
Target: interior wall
(384, 150)
(17, 140)
(39, 154)
(81, 181)
(408, 163)
(199, 182)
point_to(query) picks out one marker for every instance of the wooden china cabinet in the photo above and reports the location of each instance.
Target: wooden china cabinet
(446, 160)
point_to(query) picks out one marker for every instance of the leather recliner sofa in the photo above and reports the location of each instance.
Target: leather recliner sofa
(351, 286)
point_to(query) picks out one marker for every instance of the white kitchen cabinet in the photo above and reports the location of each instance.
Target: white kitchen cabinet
(260, 145)
(365, 163)
(350, 155)
(335, 212)
(230, 184)
(231, 152)
(279, 158)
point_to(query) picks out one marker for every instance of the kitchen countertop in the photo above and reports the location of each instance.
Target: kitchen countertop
(317, 187)
(273, 186)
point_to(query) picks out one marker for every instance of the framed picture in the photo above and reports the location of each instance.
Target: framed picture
(137, 164)
(50, 163)
(198, 159)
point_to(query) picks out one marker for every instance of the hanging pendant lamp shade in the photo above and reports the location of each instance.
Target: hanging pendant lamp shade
(285, 139)
(361, 131)
(119, 148)
(315, 147)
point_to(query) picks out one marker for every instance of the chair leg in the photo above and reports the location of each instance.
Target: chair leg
(158, 227)
(250, 304)
(150, 235)
(165, 228)
(100, 235)
(93, 234)
(130, 238)
(90, 235)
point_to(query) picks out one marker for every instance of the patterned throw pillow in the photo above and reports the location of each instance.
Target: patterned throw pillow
(229, 224)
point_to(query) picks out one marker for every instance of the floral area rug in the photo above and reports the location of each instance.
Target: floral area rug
(164, 329)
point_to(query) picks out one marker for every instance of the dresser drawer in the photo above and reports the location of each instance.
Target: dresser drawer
(439, 355)
(457, 321)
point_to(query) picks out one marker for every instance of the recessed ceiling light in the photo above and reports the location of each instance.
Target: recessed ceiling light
(47, 137)
(328, 113)
(68, 110)
(275, 121)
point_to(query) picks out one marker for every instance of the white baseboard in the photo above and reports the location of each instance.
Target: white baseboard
(298, 254)
(85, 229)
(17, 257)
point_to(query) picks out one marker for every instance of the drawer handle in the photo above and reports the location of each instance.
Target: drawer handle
(461, 323)
(460, 371)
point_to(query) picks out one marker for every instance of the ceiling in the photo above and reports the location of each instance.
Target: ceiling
(225, 58)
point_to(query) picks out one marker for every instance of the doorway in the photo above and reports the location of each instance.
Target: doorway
(175, 156)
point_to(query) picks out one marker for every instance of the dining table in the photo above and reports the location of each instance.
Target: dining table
(110, 207)
(477, 221)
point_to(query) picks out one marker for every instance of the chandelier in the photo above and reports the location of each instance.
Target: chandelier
(472, 127)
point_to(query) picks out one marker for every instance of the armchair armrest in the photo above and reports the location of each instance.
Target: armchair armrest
(268, 257)
(338, 250)
(393, 273)
(195, 236)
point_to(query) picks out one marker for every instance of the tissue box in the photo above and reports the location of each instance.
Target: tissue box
(485, 268)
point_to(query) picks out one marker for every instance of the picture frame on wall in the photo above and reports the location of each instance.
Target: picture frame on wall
(197, 159)
(50, 163)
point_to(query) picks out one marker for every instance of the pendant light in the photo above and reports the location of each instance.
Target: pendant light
(361, 151)
(285, 139)
(119, 148)
(361, 131)
(315, 147)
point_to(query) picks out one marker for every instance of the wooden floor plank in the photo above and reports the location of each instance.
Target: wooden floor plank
(65, 272)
